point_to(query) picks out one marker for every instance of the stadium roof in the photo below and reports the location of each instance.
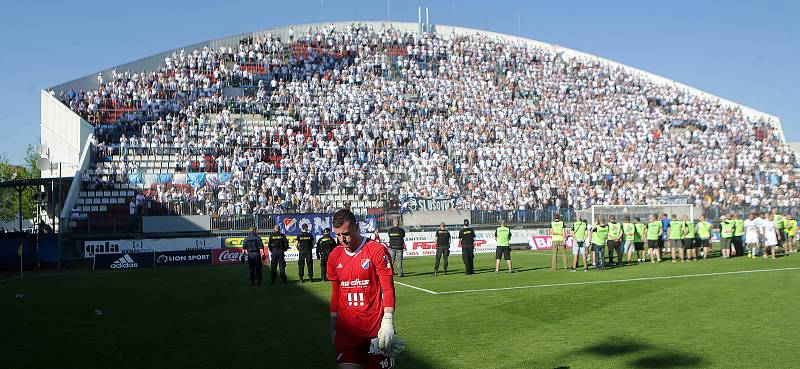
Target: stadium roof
(153, 62)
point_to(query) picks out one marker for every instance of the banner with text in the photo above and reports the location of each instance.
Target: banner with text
(92, 248)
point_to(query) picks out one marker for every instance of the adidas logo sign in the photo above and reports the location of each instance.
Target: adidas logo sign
(125, 262)
(339, 266)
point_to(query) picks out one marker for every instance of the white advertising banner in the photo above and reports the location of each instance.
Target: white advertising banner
(92, 248)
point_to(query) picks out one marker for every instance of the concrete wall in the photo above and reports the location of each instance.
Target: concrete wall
(64, 134)
(428, 218)
(172, 224)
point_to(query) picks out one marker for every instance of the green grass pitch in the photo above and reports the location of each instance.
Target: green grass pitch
(210, 317)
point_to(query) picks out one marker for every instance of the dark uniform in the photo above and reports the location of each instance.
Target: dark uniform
(277, 247)
(325, 246)
(305, 245)
(396, 247)
(467, 236)
(442, 249)
(253, 245)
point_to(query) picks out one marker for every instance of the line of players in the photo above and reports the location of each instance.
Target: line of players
(685, 240)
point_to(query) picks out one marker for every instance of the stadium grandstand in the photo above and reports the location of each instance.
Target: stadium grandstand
(310, 118)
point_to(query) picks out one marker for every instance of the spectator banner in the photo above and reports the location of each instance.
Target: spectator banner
(216, 179)
(165, 178)
(197, 180)
(92, 248)
(135, 178)
(292, 224)
(179, 178)
(427, 204)
(185, 257)
(125, 260)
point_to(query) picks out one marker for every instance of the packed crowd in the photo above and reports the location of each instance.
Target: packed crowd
(385, 114)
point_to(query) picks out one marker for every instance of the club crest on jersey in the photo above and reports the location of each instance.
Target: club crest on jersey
(364, 263)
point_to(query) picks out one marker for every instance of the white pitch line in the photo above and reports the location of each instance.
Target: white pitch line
(10, 279)
(417, 288)
(614, 281)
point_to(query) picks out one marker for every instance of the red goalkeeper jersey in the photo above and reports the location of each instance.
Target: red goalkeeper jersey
(361, 297)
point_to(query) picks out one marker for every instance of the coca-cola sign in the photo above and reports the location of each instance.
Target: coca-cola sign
(227, 256)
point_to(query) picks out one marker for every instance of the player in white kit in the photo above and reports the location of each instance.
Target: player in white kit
(751, 235)
(770, 231)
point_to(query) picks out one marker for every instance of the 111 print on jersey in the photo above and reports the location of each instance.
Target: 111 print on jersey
(355, 298)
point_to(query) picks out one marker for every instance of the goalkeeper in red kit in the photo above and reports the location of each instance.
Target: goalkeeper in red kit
(362, 299)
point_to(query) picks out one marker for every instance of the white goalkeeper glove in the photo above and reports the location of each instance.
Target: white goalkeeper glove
(386, 336)
(398, 347)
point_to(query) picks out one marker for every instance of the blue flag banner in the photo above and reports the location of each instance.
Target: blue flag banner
(197, 180)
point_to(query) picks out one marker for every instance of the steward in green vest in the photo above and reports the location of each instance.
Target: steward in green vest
(676, 229)
(638, 240)
(738, 234)
(653, 236)
(502, 236)
(599, 238)
(704, 235)
(688, 251)
(579, 233)
(557, 242)
(614, 243)
(726, 234)
(791, 233)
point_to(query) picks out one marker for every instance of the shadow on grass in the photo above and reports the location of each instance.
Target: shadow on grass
(643, 355)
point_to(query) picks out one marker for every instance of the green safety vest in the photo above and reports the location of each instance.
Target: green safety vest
(726, 228)
(558, 231)
(639, 232)
(629, 230)
(599, 235)
(690, 233)
(503, 236)
(791, 227)
(579, 230)
(653, 230)
(614, 230)
(780, 221)
(704, 230)
(738, 227)
(676, 229)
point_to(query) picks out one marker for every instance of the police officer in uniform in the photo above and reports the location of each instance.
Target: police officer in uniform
(305, 245)
(467, 236)
(277, 247)
(325, 246)
(397, 246)
(254, 248)
(442, 248)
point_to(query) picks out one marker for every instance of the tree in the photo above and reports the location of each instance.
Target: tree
(8, 196)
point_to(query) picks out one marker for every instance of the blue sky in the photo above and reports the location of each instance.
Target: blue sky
(745, 51)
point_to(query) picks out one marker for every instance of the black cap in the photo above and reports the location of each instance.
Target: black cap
(327, 230)
(466, 221)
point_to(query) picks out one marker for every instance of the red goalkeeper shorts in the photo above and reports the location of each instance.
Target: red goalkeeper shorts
(355, 350)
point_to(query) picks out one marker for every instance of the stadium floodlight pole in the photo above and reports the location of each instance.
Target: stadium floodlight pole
(419, 18)
(427, 21)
